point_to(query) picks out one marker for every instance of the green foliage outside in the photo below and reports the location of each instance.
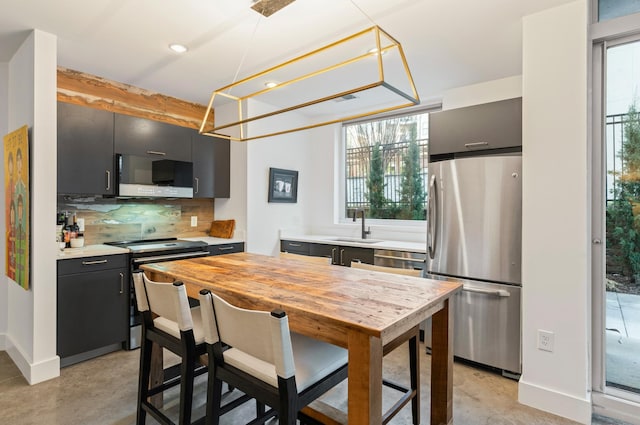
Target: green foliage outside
(378, 144)
(623, 214)
(412, 190)
(375, 183)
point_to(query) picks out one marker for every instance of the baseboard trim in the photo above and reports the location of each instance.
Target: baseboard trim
(34, 373)
(557, 403)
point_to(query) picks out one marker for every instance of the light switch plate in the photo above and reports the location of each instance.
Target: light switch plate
(194, 220)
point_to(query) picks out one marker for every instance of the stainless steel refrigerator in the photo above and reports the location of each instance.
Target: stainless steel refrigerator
(474, 236)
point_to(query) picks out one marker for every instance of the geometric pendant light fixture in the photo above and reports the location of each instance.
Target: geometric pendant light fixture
(363, 74)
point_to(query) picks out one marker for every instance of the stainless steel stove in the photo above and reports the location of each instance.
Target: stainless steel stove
(154, 251)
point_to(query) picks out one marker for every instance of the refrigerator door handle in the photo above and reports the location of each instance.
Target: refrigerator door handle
(497, 292)
(432, 218)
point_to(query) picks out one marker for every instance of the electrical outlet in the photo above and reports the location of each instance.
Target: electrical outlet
(194, 220)
(545, 340)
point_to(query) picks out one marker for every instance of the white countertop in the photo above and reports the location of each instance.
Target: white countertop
(90, 251)
(102, 249)
(214, 241)
(382, 244)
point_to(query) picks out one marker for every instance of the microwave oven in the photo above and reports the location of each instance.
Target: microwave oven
(149, 177)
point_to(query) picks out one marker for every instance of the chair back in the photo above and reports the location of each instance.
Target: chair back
(259, 334)
(306, 258)
(167, 300)
(394, 270)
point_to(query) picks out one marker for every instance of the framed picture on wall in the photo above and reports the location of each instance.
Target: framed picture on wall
(283, 185)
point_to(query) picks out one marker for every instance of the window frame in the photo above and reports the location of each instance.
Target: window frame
(342, 217)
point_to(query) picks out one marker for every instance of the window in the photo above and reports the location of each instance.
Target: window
(609, 9)
(386, 167)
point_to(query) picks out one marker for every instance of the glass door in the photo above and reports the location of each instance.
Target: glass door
(622, 217)
(616, 229)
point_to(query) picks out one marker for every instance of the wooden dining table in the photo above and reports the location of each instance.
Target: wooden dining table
(360, 310)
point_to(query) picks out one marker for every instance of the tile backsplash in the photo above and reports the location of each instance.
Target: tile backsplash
(113, 219)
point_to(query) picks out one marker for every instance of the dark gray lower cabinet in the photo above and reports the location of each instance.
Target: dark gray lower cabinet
(93, 306)
(229, 248)
(340, 255)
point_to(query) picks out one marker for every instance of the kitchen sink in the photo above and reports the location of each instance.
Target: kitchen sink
(359, 240)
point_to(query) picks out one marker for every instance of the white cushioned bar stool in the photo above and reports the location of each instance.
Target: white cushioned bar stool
(169, 322)
(255, 352)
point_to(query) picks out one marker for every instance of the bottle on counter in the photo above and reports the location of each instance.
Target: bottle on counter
(66, 230)
(74, 229)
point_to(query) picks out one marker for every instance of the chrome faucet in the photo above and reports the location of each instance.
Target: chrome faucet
(355, 215)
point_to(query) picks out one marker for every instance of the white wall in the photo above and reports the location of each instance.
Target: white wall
(556, 205)
(4, 291)
(489, 91)
(289, 151)
(31, 314)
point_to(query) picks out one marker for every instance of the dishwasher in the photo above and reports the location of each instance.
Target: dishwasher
(399, 259)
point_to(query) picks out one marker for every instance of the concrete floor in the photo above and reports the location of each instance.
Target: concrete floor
(623, 341)
(102, 391)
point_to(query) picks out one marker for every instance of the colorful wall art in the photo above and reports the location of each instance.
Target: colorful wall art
(16, 189)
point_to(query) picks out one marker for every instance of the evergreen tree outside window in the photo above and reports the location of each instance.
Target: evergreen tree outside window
(386, 167)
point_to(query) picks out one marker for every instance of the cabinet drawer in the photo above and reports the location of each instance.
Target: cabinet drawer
(322, 250)
(228, 248)
(295, 247)
(90, 264)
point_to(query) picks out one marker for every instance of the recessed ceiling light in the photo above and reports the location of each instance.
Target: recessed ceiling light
(178, 48)
(270, 84)
(374, 51)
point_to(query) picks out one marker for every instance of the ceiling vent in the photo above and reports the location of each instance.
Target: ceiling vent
(345, 97)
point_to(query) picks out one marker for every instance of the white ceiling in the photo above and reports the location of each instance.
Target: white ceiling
(448, 43)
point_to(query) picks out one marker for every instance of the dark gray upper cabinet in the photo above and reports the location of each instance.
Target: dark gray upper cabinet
(141, 136)
(488, 126)
(211, 172)
(85, 150)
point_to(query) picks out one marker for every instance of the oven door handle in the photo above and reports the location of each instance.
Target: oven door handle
(168, 257)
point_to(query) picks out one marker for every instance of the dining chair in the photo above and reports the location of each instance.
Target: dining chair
(413, 392)
(394, 270)
(169, 322)
(255, 352)
(306, 258)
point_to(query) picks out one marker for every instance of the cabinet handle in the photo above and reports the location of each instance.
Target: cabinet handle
(108, 179)
(156, 153)
(333, 256)
(476, 144)
(225, 248)
(295, 244)
(197, 184)
(122, 283)
(89, 263)
(342, 257)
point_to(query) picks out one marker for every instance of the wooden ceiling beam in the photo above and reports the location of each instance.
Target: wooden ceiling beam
(96, 92)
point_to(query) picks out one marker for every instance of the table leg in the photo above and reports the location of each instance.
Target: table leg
(442, 366)
(365, 379)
